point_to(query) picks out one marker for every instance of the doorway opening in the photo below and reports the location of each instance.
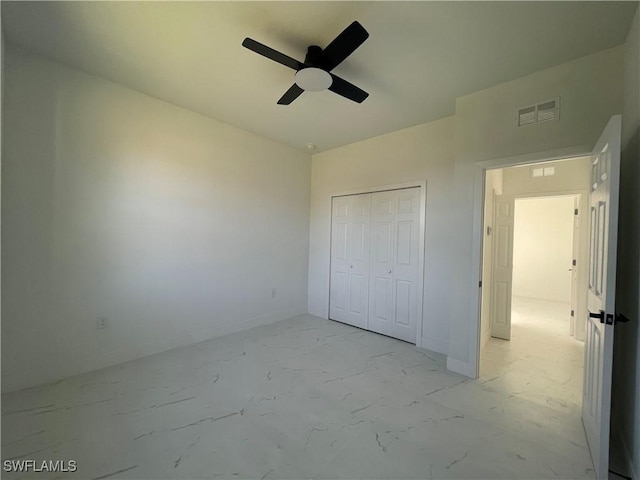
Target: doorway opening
(528, 376)
(533, 299)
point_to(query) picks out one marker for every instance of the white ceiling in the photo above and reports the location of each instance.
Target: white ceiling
(419, 58)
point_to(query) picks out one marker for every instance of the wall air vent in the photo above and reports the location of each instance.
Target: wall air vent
(549, 110)
(538, 171)
(543, 112)
(526, 116)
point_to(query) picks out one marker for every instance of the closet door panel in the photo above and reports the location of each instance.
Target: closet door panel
(406, 268)
(339, 281)
(358, 259)
(381, 317)
(350, 232)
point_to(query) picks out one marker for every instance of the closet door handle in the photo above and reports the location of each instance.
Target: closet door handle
(389, 270)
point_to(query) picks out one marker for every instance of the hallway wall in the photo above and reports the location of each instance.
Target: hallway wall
(543, 248)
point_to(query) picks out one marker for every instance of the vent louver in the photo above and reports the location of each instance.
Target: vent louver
(526, 116)
(543, 112)
(548, 171)
(548, 111)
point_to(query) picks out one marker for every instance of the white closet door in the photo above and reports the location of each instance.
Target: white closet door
(394, 296)
(382, 262)
(350, 231)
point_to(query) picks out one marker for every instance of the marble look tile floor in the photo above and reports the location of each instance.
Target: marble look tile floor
(310, 398)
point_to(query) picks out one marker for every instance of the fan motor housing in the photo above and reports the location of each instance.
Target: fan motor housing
(314, 57)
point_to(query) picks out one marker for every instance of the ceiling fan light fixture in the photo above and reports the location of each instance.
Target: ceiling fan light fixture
(313, 79)
(308, 76)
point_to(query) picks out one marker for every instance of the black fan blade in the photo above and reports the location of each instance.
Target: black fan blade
(290, 95)
(347, 90)
(344, 45)
(271, 54)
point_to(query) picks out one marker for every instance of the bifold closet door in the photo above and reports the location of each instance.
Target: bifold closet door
(393, 297)
(350, 233)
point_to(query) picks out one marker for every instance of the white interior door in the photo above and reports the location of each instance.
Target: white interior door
(350, 232)
(502, 267)
(394, 299)
(596, 401)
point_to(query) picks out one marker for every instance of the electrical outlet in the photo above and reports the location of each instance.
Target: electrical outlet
(102, 322)
(273, 293)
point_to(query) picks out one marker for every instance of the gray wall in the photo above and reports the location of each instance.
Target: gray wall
(174, 226)
(626, 380)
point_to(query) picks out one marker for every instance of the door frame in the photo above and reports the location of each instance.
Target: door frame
(472, 368)
(582, 195)
(422, 184)
(575, 279)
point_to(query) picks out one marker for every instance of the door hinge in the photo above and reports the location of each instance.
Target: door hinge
(573, 313)
(480, 284)
(574, 263)
(575, 212)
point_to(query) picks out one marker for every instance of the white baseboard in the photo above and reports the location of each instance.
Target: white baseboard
(435, 345)
(31, 377)
(463, 368)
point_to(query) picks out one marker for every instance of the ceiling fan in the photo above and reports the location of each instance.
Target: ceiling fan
(315, 73)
